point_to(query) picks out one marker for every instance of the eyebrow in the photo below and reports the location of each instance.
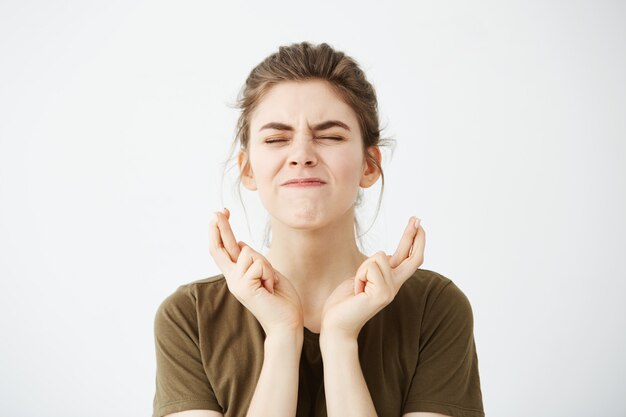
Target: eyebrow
(320, 126)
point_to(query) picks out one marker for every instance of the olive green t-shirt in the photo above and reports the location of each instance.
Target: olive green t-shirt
(416, 354)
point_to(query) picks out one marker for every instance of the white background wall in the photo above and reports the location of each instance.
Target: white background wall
(511, 145)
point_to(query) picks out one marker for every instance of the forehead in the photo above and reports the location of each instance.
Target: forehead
(293, 102)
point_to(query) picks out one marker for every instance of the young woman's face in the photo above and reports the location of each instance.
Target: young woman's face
(304, 131)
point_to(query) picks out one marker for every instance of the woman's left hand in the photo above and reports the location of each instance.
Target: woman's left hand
(374, 286)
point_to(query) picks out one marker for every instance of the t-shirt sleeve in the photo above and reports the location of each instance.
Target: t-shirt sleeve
(446, 378)
(181, 381)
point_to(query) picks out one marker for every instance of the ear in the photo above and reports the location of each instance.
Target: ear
(245, 171)
(371, 171)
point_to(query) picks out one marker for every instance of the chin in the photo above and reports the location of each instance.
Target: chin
(308, 215)
(304, 218)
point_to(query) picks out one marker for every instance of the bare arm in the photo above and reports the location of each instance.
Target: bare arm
(345, 387)
(344, 384)
(347, 309)
(274, 302)
(276, 392)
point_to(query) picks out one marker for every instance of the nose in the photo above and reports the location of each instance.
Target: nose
(303, 152)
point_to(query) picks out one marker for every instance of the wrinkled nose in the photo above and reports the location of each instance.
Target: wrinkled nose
(303, 152)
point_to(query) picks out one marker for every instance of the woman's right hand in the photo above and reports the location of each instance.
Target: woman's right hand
(264, 291)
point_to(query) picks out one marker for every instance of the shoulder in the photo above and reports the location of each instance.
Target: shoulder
(436, 294)
(430, 286)
(426, 280)
(187, 294)
(184, 302)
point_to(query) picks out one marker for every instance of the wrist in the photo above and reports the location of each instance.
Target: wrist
(288, 337)
(337, 341)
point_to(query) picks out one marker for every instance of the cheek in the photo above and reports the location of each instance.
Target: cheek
(263, 165)
(348, 168)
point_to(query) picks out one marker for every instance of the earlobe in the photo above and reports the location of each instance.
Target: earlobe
(371, 171)
(245, 171)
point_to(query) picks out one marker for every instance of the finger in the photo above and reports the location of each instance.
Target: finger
(360, 278)
(382, 261)
(273, 275)
(251, 252)
(246, 258)
(404, 247)
(260, 272)
(376, 282)
(368, 272)
(216, 248)
(267, 278)
(419, 243)
(253, 273)
(359, 286)
(417, 226)
(410, 264)
(228, 238)
(270, 283)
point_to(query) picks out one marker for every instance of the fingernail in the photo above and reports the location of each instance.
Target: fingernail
(417, 222)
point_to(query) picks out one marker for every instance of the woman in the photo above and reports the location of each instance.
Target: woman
(314, 327)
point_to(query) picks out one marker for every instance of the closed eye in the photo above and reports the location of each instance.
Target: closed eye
(335, 138)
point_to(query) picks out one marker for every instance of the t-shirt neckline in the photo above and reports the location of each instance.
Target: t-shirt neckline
(310, 335)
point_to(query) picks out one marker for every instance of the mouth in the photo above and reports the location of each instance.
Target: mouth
(304, 182)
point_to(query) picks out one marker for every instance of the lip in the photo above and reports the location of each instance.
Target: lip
(304, 182)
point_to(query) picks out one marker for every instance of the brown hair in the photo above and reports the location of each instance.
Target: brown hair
(305, 61)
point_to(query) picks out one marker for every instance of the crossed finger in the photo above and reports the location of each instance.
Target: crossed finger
(415, 258)
(226, 232)
(222, 243)
(406, 242)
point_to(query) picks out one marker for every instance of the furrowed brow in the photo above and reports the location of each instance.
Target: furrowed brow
(331, 123)
(321, 126)
(276, 126)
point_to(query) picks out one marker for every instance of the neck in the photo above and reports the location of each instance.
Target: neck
(315, 261)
